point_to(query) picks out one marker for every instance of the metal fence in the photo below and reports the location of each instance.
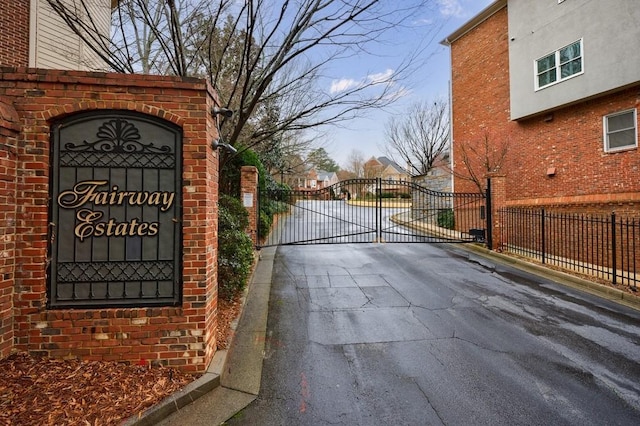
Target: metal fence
(605, 247)
(372, 210)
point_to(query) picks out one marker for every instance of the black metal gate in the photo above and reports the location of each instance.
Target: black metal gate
(373, 210)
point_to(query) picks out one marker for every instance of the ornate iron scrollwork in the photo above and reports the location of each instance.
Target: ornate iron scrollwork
(117, 136)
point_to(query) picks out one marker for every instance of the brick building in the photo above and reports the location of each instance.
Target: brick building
(390, 173)
(546, 95)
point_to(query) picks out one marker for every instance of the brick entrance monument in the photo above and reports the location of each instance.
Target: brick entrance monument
(108, 217)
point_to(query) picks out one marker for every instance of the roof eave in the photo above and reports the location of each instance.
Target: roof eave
(485, 14)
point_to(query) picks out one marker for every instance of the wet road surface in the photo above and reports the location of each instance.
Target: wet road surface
(419, 334)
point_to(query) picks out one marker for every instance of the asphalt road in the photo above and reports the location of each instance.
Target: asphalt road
(418, 334)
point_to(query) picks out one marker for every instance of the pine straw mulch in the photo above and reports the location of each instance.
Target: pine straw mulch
(42, 391)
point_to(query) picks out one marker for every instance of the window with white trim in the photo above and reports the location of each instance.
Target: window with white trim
(560, 65)
(620, 131)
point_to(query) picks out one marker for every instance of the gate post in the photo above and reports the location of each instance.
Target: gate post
(378, 209)
(249, 194)
(498, 196)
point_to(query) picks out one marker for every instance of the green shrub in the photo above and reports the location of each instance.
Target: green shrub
(238, 217)
(270, 205)
(235, 248)
(446, 219)
(265, 222)
(230, 171)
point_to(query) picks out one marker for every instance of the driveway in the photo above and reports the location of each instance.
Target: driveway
(418, 334)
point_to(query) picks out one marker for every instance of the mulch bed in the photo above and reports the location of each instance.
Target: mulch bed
(42, 391)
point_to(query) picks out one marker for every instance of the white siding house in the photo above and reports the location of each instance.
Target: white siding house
(54, 45)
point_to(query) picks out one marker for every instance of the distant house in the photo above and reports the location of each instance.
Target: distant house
(390, 173)
(307, 180)
(35, 36)
(312, 179)
(326, 179)
(556, 86)
(386, 169)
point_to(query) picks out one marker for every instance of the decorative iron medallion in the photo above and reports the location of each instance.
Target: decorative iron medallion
(115, 234)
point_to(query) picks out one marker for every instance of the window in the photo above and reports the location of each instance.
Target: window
(559, 65)
(620, 131)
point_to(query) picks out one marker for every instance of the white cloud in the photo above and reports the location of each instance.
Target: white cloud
(383, 77)
(451, 8)
(338, 86)
(344, 84)
(393, 90)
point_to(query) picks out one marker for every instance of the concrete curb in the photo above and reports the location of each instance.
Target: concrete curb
(194, 390)
(236, 371)
(604, 291)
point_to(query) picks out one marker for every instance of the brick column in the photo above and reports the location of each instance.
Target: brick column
(8, 169)
(249, 194)
(498, 202)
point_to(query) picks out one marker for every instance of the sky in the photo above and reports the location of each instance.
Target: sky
(367, 134)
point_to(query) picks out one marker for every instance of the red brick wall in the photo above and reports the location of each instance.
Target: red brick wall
(572, 144)
(480, 98)
(14, 32)
(8, 163)
(181, 336)
(570, 140)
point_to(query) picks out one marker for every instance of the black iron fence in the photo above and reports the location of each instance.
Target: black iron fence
(372, 210)
(605, 247)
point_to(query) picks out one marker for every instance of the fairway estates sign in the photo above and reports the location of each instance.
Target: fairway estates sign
(90, 223)
(115, 233)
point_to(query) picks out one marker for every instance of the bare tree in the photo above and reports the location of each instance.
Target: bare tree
(355, 163)
(285, 155)
(259, 51)
(479, 158)
(420, 137)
